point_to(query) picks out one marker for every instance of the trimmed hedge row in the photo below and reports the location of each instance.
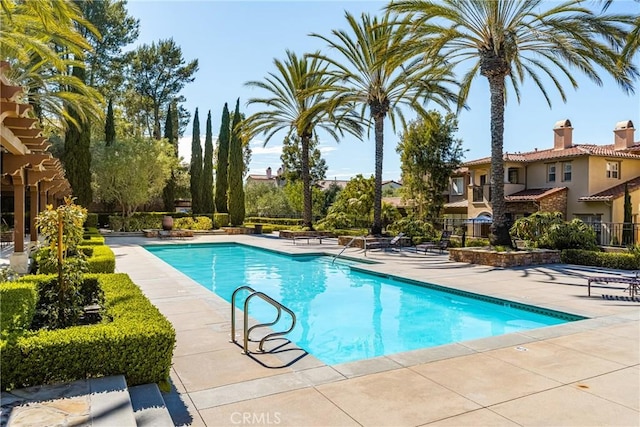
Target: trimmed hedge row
(618, 260)
(100, 259)
(91, 240)
(138, 342)
(19, 301)
(274, 221)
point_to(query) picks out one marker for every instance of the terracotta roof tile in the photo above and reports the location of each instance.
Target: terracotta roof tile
(576, 150)
(533, 194)
(458, 204)
(613, 192)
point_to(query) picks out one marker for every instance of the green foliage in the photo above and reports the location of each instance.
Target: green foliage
(132, 171)
(294, 192)
(292, 160)
(533, 227)
(428, 149)
(617, 260)
(236, 169)
(156, 75)
(91, 221)
(169, 190)
(416, 229)
(267, 200)
(88, 240)
(207, 170)
(353, 206)
(109, 126)
(101, 260)
(476, 243)
(275, 221)
(137, 342)
(197, 223)
(19, 301)
(77, 153)
(196, 167)
(222, 164)
(220, 220)
(142, 220)
(569, 235)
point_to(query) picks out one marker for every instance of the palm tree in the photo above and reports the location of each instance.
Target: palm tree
(373, 77)
(298, 101)
(41, 41)
(511, 40)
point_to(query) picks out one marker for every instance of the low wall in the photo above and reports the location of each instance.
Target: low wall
(504, 259)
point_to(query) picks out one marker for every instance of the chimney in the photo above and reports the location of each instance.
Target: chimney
(269, 172)
(562, 135)
(623, 135)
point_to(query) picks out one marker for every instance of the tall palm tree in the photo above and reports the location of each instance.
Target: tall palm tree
(41, 41)
(371, 76)
(508, 40)
(297, 101)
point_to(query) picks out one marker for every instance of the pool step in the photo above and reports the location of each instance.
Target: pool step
(95, 402)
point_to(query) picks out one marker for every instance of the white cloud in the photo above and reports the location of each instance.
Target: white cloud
(266, 150)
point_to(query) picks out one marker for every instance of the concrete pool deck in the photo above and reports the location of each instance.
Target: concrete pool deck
(581, 373)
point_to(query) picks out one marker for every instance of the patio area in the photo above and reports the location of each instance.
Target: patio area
(581, 373)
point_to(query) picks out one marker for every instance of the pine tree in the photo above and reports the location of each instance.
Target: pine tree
(196, 167)
(169, 191)
(207, 171)
(236, 166)
(109, 126)
(222, 183)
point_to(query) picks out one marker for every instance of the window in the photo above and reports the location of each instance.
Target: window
(513, 175)
(457, 186)
(566, 171)
(613, 170)
(551, 172)
(483, 179)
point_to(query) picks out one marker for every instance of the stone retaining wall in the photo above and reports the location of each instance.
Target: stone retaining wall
(504, 259)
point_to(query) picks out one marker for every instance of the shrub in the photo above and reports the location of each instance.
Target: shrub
(476, 243)
(197, 223)
(569, 235)
(18, 305)
(220, 220)
(137, 342)
(90, 231)
(100, 259)
(618, 260)
(414, 229)
(274, 221)
(91, 240)
(91, 221)
(141, 220)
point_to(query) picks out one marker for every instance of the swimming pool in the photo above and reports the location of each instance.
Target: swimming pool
(345, 314)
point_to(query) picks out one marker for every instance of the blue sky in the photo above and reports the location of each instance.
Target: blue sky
(236, 41)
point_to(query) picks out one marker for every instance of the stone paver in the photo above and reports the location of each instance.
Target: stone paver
(577, 374)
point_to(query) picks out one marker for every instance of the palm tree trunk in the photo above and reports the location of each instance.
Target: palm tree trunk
(307, 216)
(499, 234)
(376, 227)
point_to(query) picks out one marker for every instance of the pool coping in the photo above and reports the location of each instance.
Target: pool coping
(314, 373)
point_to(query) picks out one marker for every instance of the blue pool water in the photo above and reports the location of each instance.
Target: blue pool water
(345, 314)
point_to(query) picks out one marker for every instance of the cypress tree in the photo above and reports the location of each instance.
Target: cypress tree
(196, 167)
(627, 227)
(207, 170)
(169, 191)
(222, 183)
(77, 153)
(109, 127)
(236, 167)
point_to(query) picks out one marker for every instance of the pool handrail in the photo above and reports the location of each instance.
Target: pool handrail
(246, 329)
(345, 248)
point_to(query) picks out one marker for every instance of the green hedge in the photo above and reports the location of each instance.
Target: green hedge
(91, 240)
(618, 260)
(141, 220)
(220, 220)
(100, 259)
(197, 223)
(91, 231)
(91, 221)
(274, 221)
(18, 306)
(138, 343)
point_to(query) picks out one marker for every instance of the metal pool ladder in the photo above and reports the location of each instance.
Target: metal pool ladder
(247, 330)
(345, 248)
